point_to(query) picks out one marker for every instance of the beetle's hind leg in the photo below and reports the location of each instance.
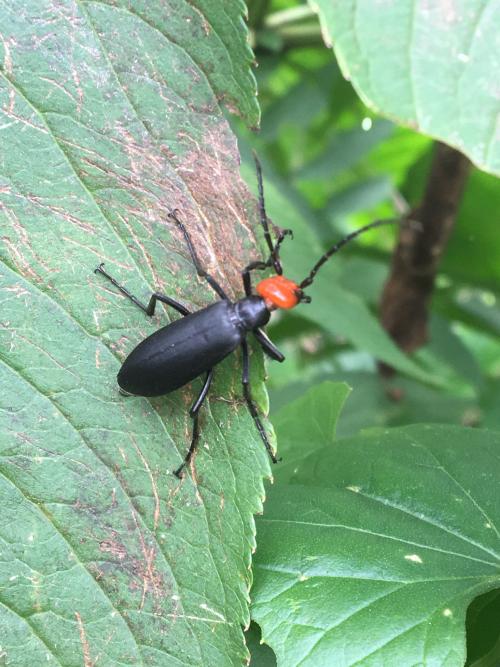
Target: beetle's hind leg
(155, 297)
(251, 405)
(195, 408)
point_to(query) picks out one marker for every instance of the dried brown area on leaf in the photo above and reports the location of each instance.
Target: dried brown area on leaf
(141, 570)
(221, 222)
(113, 547)
(202, 182)
(87, 660)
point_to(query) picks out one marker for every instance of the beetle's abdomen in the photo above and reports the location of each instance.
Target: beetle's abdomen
(181, 351)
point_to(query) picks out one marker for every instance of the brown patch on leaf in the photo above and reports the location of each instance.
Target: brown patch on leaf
(87, 660)
(217, 214)
(117, 549)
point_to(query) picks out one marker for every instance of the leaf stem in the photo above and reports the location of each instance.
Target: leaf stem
(416, 258)
(289, 16)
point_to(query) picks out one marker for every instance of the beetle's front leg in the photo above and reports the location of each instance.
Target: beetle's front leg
(272, 261)
(194, 256)
(245, 274)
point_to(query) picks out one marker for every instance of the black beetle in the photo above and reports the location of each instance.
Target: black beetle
(186, 348)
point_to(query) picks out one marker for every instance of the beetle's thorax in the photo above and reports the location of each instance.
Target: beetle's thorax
(251, 312)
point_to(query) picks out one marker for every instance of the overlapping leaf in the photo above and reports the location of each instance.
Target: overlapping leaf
(431, 65)
(373, 551)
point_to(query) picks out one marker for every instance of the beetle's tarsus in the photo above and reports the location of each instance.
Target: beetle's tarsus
(179, 473)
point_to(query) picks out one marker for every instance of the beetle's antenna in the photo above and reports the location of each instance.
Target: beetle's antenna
(324, 258)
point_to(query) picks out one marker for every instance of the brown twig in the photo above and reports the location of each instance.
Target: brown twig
(415, 262)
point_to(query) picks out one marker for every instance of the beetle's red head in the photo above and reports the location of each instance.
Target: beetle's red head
(279, 292)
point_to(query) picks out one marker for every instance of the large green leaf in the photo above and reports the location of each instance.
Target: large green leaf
(374, 550)
(433, 66)
(109, 117)
(307, 423)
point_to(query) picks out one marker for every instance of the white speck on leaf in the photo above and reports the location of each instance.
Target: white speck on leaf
(413, 558)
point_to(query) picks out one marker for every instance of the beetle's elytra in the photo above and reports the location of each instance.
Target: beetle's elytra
(191, 346)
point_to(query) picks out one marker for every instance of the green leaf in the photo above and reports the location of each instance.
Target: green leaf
(430, 67)
(305, 425)
(346, 149)
(489, 404)
(473, 254)
(110, 117)
(364, 194)
(377, 402)
(375, 550)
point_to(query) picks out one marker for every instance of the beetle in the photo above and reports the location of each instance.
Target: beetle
(192, 345)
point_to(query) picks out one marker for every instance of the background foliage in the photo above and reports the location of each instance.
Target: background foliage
(331, 165)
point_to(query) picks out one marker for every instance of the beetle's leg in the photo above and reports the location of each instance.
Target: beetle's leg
(251, 405)
(194, 257)
(264, 220)
(245, 274)
(274, 258)
(150, 308)
(196, 431)
(272, 261)
(268, 346)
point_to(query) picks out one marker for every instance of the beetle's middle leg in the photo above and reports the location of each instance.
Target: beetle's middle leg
(268, 346)
(149, 309)
(193, 412)
(195, 259)
(251, 405)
